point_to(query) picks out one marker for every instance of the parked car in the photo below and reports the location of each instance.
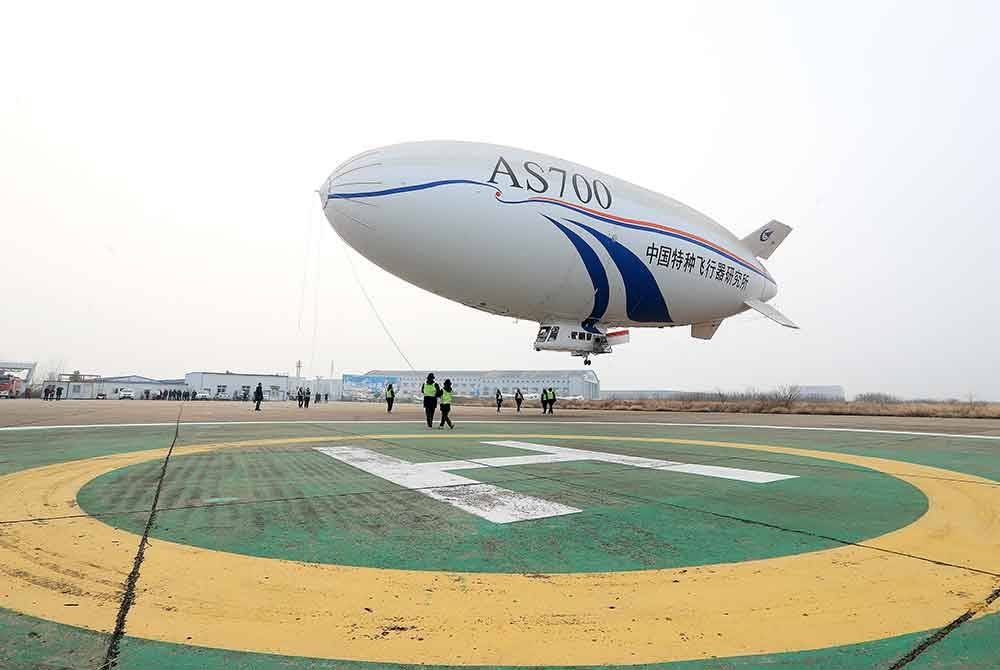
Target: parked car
(202, 395)
(126, 394)
(102, 396)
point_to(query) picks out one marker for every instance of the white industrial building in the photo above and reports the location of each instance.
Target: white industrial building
(484, 383)
(223, 385)
(324, 386)
(88, 387)
(228, 385)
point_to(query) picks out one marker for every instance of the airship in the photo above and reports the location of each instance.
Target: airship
(512, 232)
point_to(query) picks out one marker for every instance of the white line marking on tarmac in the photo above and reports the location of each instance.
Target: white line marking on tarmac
(499, 505)
(487, 501)
(568, 454)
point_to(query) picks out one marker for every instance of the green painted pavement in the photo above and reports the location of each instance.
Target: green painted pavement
(23, 449)
(27, 642)
(20, 450)
(293, 502)
(30, 643)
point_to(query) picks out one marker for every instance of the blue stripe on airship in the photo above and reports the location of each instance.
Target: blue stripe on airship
(405, 189)
(646, 229)
(444, 182)
(598, 276)
(644, 302)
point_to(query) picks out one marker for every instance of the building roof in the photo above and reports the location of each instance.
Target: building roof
(238, 374)
(136, 379)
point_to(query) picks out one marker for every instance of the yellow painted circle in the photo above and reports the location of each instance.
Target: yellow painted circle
(190, 595)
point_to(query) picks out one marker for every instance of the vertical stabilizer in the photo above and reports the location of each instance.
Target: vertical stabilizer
(766, 239)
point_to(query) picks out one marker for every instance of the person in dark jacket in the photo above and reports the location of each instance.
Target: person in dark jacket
(446, 398)
(300, 396)
(308, 397)
(258, 395)
(499, 400)
(431, 391)
(390, 397)
(518, 399)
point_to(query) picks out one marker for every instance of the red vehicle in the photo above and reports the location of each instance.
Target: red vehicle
(11, 386)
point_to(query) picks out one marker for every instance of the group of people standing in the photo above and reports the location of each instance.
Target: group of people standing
(548, 397)
(304, 397)
(434, 393)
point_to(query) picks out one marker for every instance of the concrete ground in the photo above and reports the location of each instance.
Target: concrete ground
(37, 412)
(275, 540)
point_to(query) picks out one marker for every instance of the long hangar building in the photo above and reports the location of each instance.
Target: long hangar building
(484, 383)
(231, 385)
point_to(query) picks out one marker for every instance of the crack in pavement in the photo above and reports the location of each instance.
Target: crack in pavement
(942, 633)
(128, 597)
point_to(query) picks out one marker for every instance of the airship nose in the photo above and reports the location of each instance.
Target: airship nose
(324, 193)
(357, 174)
(341, 199)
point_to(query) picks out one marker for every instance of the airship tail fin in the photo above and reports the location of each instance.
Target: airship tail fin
(769, 312)
(766, 239)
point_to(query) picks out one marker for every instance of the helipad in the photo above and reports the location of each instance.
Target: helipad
(515, 543)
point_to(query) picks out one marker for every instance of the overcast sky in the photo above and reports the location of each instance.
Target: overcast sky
(158, 162)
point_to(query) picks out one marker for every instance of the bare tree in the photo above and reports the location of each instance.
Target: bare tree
(721, 397)
(789, 395)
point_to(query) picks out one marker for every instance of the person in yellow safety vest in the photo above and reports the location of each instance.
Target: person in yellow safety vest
(446, 398)
(431, 392)
(390, 395)
(545, 399)
(552, 399)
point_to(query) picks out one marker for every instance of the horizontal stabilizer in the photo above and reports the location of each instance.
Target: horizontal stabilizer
(763, 241)
(769, 312)
(705, 331)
